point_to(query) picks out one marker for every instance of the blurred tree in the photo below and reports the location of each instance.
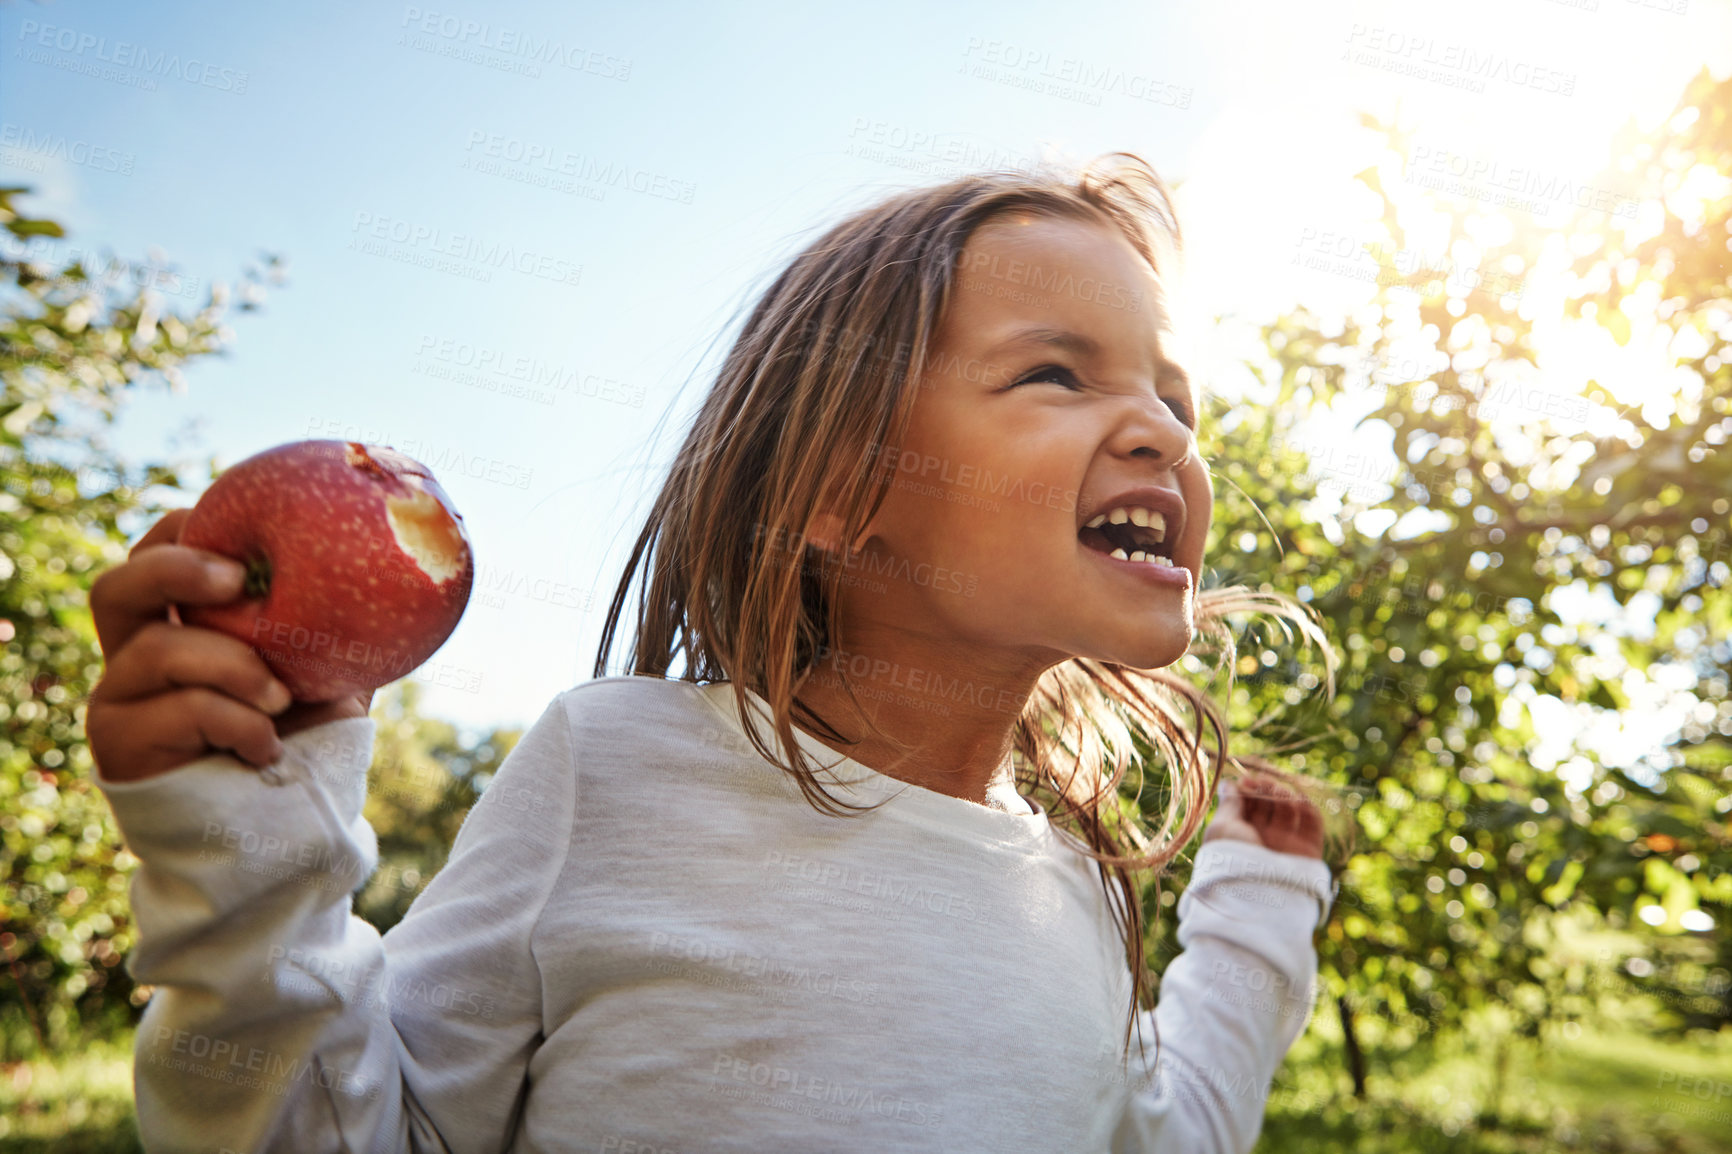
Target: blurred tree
(423, 780)
(73, 339)
(1531, 604)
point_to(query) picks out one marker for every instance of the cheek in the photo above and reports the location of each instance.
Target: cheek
(1199, 507)
(920, 522)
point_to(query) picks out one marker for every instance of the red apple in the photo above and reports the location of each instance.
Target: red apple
(358, 567)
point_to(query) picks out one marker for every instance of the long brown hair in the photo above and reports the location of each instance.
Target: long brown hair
(822, 376)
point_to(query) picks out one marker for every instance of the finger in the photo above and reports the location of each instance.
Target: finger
(161, 658)
(170, 730)
(1294, 818)
(1287, 810)
(130, 596)
(1254, 808)
(1269, 805)
(1264, 787)
(165, 532)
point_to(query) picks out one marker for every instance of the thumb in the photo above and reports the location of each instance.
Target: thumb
(1228, 820)
(1228, 797)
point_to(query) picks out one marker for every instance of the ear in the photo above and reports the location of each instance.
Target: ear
(826, 530)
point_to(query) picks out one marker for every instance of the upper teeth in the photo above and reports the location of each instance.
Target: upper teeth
(1136, 515)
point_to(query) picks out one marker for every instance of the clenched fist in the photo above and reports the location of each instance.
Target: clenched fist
(1265, 812)
(172, 693)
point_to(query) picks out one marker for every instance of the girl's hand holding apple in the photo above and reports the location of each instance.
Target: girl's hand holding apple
(310, 574)
(172, 693)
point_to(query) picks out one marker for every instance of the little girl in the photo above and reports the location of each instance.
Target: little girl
(939, 525)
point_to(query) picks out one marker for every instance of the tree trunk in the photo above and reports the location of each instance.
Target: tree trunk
(1500, 1077)
(1355, 1058)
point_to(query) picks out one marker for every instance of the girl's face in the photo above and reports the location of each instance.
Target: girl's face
(1050, 398)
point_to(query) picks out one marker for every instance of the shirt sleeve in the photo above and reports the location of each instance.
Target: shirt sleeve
(1231, 1004)
(281, 1021)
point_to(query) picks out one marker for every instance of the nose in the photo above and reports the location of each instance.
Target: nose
(1154, 433)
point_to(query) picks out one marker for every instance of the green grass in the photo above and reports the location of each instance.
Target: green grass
(79, 1102)
(1608, 1093)
(1604, 1093)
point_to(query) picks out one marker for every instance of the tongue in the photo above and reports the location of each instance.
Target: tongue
(1097, 540)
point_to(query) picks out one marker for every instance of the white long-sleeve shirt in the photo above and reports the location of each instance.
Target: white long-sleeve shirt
(646, 941)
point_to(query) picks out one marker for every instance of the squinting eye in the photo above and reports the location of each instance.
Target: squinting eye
(1056, 373)
(1182, 410)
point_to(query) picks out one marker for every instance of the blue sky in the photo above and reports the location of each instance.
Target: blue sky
(649, 166)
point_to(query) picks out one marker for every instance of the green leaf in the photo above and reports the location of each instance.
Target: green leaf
(34, 228)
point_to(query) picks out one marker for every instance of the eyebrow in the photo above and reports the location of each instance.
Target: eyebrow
(1084, 346)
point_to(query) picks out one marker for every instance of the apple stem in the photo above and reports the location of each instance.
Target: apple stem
(258, 582)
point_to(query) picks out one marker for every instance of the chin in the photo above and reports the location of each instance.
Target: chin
(1154, 653)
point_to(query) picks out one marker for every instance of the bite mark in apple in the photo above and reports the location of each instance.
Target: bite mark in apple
(424, 530)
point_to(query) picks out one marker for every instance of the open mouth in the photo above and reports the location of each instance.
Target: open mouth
(1129, 542)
